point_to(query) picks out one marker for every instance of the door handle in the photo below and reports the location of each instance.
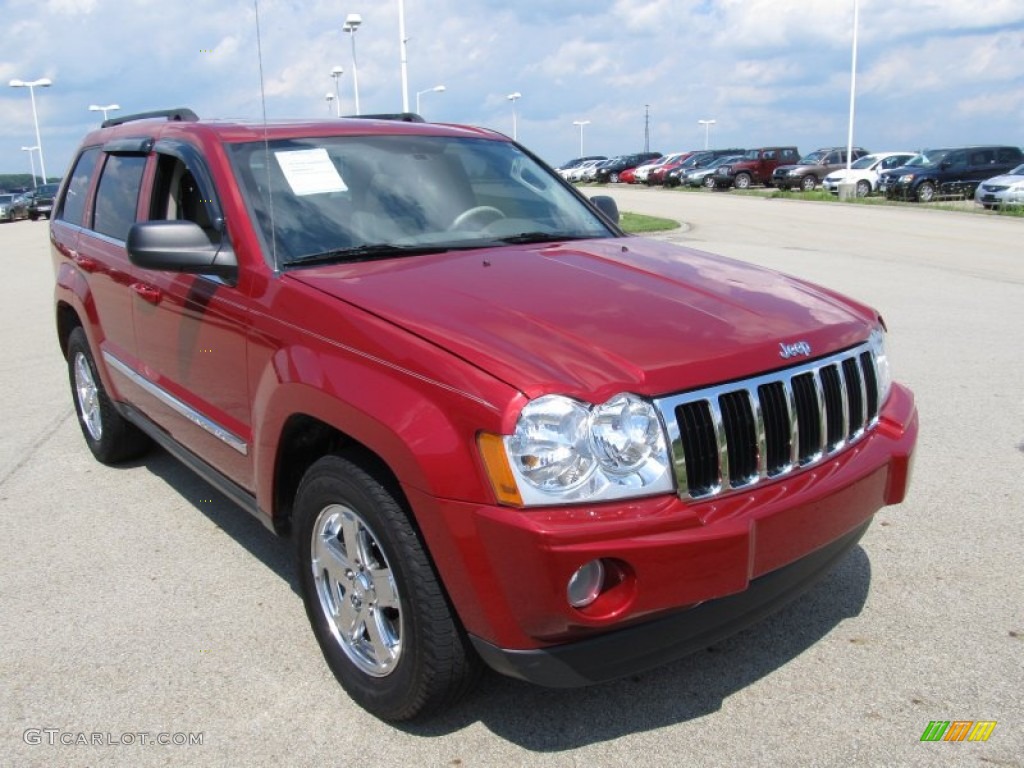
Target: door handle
(148, 292)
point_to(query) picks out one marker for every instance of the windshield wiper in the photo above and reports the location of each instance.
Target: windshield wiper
(369, 252)
(541, 237)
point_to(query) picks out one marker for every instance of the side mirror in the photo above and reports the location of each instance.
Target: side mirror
(607, 206)
(179, 246)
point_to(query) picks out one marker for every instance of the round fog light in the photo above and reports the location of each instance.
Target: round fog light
(585, 585)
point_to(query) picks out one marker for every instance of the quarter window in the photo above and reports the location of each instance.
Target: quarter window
(118, 195)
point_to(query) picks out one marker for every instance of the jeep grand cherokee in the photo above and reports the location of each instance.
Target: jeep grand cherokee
(498, 429)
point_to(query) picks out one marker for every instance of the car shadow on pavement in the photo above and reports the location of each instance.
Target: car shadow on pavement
(273, 551)
(556, 720)
(548, 720)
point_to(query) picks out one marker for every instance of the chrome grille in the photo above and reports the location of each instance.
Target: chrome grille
(735, 435)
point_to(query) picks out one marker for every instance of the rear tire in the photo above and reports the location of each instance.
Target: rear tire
(376, 605)
(111, 438)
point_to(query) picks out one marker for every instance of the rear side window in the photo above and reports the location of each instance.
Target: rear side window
(1008, 156)
(72, 207)
(118, 195)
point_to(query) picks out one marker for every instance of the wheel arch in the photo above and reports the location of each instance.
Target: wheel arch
(304, 439)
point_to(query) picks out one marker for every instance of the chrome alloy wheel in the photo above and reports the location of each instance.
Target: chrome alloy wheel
(356, 590)
(88, 397)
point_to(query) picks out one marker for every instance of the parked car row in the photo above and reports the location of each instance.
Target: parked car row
(32, 205)
(992, 175)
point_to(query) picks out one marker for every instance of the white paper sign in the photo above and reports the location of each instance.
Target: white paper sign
(310, 171)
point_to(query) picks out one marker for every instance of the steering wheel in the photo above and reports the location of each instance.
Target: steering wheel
(487, 213)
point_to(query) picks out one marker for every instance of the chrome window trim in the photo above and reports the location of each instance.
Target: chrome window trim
(668, 405)
(201, 421)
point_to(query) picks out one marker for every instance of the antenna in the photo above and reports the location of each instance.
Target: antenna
(266, 142)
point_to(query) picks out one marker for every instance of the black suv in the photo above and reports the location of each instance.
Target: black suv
(41, 201)
(610, 170)
(944, 173)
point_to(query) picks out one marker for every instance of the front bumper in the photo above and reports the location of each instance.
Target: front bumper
(684, 573)
(654, 643)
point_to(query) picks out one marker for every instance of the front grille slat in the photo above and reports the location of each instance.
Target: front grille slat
(736, 435)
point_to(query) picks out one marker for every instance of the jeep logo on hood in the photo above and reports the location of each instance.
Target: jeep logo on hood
(787, 351)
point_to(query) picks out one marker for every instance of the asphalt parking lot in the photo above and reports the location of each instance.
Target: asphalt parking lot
(136, 600)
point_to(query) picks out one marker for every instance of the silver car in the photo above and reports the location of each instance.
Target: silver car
(1000, 191)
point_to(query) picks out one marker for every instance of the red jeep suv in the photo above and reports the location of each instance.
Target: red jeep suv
(498, 429)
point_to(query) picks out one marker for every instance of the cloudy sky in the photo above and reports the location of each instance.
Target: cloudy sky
(930, 72)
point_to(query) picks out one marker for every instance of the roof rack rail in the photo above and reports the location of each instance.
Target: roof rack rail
(179, 114)
(405, 117)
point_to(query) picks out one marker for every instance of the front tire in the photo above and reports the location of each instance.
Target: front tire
(742, 181)
(613, 178)
(376, 605)
(808, 183)
(863, 188)
(926, 192)
(709, 182)
(111, 438)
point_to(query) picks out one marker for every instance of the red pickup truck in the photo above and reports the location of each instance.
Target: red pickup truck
(498, 429)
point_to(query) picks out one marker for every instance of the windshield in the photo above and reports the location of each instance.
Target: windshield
(813, 158)
(6, 198)
(865, 162)
(1018, 171)
(344, 198)
(724, 160)
(927, 158)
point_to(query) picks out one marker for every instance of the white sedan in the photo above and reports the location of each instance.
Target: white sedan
(865, 172)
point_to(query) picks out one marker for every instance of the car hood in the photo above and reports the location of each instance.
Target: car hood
(595, 317)
(1006, 178)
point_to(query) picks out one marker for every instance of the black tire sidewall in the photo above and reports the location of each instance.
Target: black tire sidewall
(120, 440)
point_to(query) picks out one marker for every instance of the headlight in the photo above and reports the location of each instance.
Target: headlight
(906, 178)
(877, 342)
(564, 451)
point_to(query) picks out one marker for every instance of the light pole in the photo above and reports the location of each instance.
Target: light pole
(853, 87)
(32, 161)
(707, 130)
(514, 97)
(336, 73)
(104, 109)
(435, 89)
(352, 23)
(330, 98)
(404, 55)
(581, 123)
(43, 82)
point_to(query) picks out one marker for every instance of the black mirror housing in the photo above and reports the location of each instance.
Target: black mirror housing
(178, 246)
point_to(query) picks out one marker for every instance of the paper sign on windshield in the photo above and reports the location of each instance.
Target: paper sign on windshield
(310, 171)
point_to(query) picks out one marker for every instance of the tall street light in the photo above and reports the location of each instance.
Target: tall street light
(707, 130)
(581, 123)
(32, 162)
(104, 109)
(336, 73)
(853, 87)
(330, 98)
(352, 23)
(404, 57)
(43, 82)
(435, 89)
(514, 97)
